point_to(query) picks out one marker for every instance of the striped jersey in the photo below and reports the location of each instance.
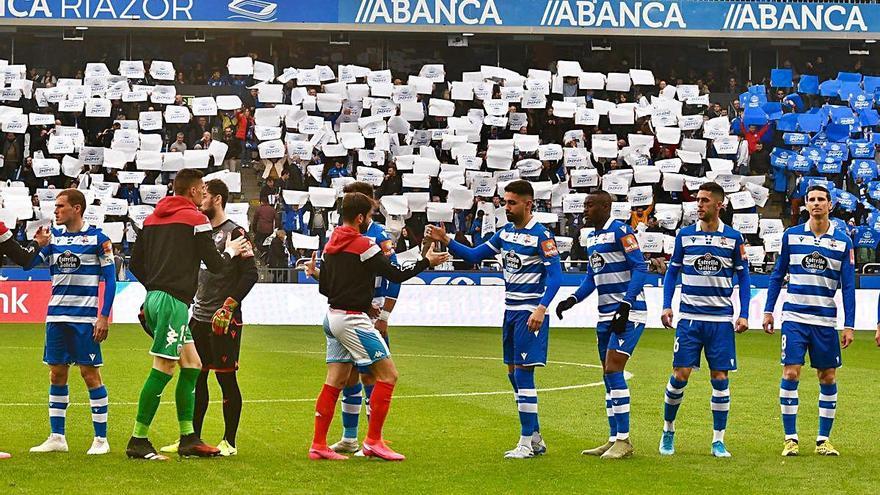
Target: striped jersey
(525, 255)
(613, 253)
(817, 266)
(376, 232)
(76, 260)
(708, 262)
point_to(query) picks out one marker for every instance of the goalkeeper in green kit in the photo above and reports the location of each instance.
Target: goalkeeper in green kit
(175, 240)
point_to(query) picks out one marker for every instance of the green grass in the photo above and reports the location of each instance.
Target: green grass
(453, 444)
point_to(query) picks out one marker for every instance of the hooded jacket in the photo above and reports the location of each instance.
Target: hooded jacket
(175, 239)
(351, 264)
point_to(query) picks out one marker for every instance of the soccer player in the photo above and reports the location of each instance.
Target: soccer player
(216, 323)
(360, 385)
(532, 276)
(176, 237)
(22, 256)
(617, 272)
(818, 258)
(707, 254)
(79, 256)
(351, 264)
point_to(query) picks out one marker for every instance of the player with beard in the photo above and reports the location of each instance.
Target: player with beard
(708, 254)
(216, 321)
(347, 278)
(360, 384)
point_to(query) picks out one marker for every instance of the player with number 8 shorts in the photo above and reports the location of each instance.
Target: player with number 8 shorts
(708, 254)
(818, 258)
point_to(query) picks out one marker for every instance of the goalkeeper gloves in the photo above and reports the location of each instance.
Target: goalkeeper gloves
(222, 317)
(621, 318)
(565, 305)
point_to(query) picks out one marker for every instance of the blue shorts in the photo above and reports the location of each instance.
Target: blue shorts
(716, 337)
(71, 343)
(522, 346)
(624, 343)
(821, 342)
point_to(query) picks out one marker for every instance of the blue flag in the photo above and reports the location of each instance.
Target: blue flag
(798, 163)
(837, 151)
(837, 132)
(781, 78)
(866, 237)
(869, 118)
(863, 169)
(809, 85)
(830, 166)
(773, 109)
(861, 149)
(845, 200)
(872, 83)
(754, 116)
(830, 87)
(796, 139)
(810, 122)
(849, 77)
(787, 122)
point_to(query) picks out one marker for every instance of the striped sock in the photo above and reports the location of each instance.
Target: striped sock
(827, 409)
(527, 402)
(620, 403)
(672, 401)
(59, 397)
(609, 411)
(720, 408)
(352, 398)
(368, 392)
(99, 403)
(788, 401)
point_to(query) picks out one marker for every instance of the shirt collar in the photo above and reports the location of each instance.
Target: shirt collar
(720, 226)
(608, 223)
(531, 223)
(84, 228)
(830, 230)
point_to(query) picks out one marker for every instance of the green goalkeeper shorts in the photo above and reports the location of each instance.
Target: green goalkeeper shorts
(168, 318)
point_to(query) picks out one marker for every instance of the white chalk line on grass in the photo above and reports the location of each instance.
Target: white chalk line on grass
(628, 375)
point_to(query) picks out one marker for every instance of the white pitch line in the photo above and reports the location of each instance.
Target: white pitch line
(627, 374)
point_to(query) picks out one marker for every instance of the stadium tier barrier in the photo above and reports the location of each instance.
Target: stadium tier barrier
(418, 305)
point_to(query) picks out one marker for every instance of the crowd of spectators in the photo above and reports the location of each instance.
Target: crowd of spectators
(423, 140)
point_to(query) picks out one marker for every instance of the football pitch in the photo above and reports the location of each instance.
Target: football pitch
(453, 416)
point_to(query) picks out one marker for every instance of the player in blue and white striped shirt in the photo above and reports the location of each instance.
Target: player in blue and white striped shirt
(617, 272)
(532, 276)
(79, 256)
(708, 254)
(818, 258)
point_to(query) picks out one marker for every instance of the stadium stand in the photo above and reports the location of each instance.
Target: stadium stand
(438, 149)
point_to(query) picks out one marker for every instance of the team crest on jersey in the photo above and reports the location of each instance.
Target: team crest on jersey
(68, 262)
(597, 262)
(707, 264)
(549, 248)
(815, 262)
(629, 242)
(512, 262)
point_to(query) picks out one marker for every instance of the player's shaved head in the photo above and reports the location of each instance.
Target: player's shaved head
(360, 187)
(185, 180)
(597, 209)
(601, 197)
(712, 187)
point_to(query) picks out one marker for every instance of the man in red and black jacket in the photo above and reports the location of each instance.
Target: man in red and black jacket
(21, 256)
(167, 254)
(351, 264)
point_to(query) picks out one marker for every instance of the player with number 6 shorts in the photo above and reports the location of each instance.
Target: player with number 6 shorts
(818, 258)
(708, 254)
